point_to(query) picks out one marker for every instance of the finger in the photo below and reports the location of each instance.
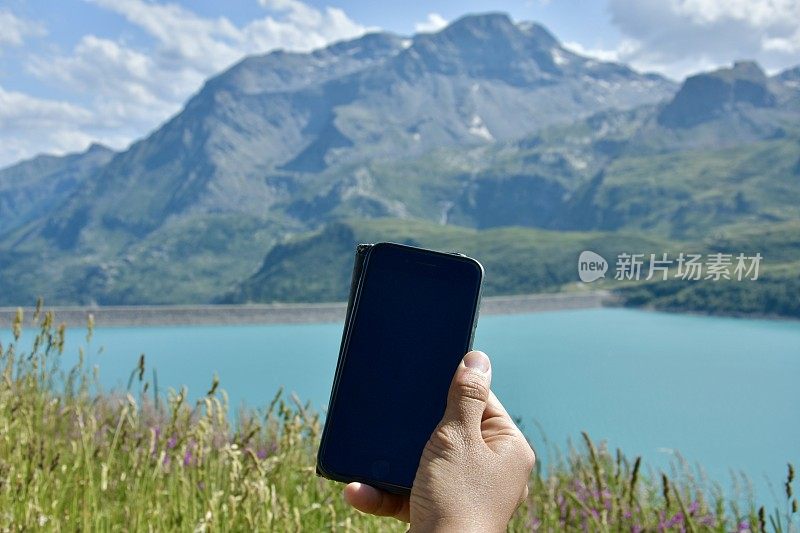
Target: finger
(494, 408)
(496, 423)
(469, 392)
(370, 500)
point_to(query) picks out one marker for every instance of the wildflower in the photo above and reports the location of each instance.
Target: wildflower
(675, 520)
(156, 433)
(708, 520)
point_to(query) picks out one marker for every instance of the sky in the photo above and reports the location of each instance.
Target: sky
(73, 72)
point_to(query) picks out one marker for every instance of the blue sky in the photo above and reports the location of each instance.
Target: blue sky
(77, 71)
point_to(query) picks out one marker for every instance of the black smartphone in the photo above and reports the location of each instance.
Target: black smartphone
(411, 318)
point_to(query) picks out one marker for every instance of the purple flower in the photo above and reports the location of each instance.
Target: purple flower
(157, 434)
(187, 457)
(707, 520)
(693, 507)
(675, 520)
(744, 525)
(171, 443)
(262, 453)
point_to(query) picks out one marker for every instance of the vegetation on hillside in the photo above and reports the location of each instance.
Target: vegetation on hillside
(517, 260)
(771, 295)
(774, 293)
(316, 266)
(72, 458)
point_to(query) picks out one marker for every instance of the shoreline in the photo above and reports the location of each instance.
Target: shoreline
(285, 313)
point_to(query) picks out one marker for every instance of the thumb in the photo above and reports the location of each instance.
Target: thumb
(469, 392)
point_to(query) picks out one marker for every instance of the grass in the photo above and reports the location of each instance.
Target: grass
(73, 459)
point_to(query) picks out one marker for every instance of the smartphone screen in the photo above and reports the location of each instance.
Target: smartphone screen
(412, 324)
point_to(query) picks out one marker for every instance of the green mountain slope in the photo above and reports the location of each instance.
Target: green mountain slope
(776, 292)
(317, 267)
(38, 185)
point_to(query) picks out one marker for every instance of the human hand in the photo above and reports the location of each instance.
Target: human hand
(474, 470)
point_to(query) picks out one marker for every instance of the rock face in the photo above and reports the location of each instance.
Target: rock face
(707, 96)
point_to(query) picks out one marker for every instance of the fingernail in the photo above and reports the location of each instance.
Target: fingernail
(477, 360)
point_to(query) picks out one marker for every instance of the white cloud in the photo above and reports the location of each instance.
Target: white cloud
(126, 91)
(124, 84)
(208, 45)
(433, 23)
(758, 13)
(182, 37)
(299, 27)
(16, 109)
(29, 122)
(603, 54)
(788, 45)
(14, 30)
(630, 52)
(679, 37)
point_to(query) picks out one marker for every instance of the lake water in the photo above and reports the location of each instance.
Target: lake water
(724, 392)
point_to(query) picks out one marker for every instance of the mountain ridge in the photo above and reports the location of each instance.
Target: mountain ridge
(210, 156)
(486, 123)
(48, 180)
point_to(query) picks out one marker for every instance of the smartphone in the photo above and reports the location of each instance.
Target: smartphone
(411, 318)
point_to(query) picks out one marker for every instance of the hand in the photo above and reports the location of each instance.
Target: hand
(474, 469)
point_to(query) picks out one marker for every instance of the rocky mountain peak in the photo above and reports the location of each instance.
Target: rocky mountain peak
(486, 46)
(708, 95)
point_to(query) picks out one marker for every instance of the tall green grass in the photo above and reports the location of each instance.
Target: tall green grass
(74, 459)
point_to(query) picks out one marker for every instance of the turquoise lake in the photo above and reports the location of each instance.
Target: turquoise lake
(723, 392)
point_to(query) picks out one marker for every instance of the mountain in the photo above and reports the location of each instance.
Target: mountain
(483, 125)
(789, 77)
(259, 133)
(709, 95)
(635, 170)
(35, 186)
